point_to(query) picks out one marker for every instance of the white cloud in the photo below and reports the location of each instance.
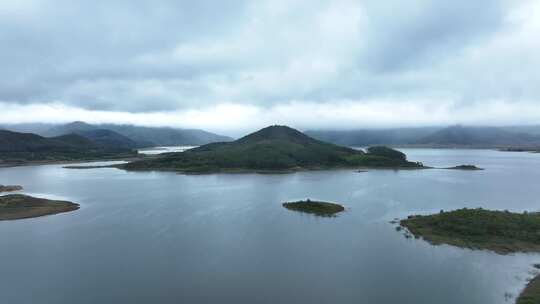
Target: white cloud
(237, 119)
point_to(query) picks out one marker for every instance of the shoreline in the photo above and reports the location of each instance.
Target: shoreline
(265, 171)
(66, 162)
(531, 292)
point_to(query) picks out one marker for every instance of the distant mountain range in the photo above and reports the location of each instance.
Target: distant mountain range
(22, 147)
(454, 136)
(124, 136)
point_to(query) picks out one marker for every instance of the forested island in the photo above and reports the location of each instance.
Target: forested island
(18, 206)
(273, 149)
(318, 208)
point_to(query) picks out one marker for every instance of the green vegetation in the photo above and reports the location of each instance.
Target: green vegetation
(465, 167)
(275, 148)
(18, 206)
(500, 231)
(315, 207)
(10, 188)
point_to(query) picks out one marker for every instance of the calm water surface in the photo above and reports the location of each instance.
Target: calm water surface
(148, 237)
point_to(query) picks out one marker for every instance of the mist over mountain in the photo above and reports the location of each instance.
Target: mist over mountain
(128, 136)
(453, 136)
(366, 137)
(479, 137)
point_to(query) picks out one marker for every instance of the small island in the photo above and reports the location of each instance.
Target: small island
(10, 188)
(465, 167)
(18, 206)
(500, 231)
(315, 207)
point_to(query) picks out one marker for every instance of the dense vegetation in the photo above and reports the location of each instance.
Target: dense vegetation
(273, 148)
(18, 206)
(314, 207)
(23, 147)
(500, 231)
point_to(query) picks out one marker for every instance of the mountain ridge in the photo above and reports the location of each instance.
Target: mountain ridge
(142, 136)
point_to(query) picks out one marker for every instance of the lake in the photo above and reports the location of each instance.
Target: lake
(151, 237)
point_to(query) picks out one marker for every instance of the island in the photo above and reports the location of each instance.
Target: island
(18, 206)
(500, 231)
(10, 188)
(273, 149)
(465, 167)
(318, 208)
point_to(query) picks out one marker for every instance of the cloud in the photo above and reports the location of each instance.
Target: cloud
(238, 119)
(133, 59)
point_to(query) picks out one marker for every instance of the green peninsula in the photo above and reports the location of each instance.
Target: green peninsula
(500, 231)
(273, 149)
(18, 206)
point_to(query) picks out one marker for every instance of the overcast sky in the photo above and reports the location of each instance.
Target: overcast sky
(229, 66)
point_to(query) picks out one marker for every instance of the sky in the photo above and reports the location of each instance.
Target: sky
(230, 66)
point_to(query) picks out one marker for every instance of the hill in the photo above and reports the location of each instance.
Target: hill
(270, 149)
(22, 147)
(109, 139)
(139, 136)
(479, 137)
